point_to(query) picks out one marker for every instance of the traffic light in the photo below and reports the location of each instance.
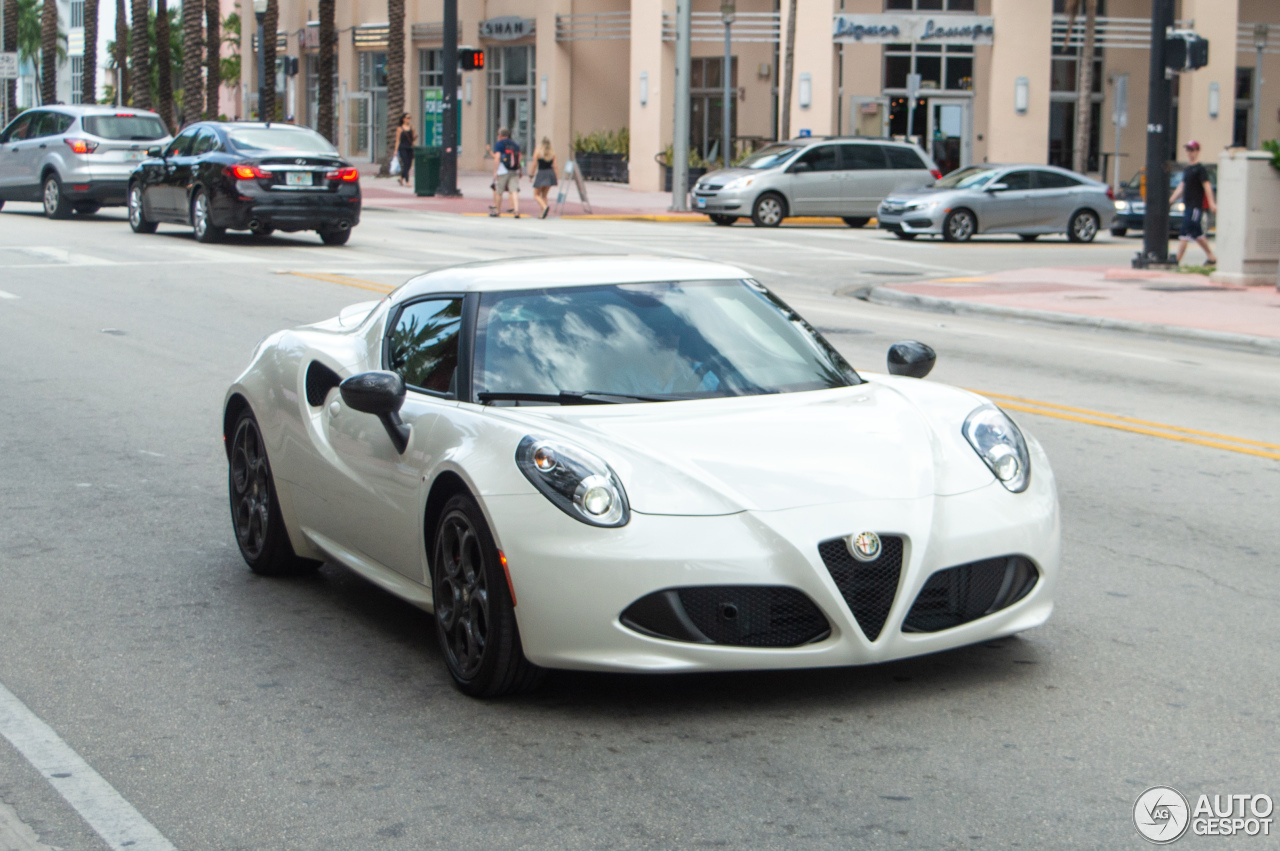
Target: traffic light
(470, 60)
(291, 66)
(1185, 51)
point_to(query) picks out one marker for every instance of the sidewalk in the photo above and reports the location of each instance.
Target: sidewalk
(1160, 304)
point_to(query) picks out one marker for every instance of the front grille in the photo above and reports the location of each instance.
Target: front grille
(957, 595)
(868, 587)
(710, 187)
(735, 615)
(892, 209)
(919, 223)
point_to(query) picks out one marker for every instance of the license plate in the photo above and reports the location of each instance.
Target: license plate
(134, 156)
(297, 178)
(702, 202)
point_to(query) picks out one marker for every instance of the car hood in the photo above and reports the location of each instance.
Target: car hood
(880, 440)
(724, 175)
(930, 192)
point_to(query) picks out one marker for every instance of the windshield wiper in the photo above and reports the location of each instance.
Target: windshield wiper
(570, 397)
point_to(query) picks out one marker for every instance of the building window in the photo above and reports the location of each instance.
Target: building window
(313, 91)
(1064, 85)
(511, 73)
(706, 105)
(1243, 108)
(77, 14)
(948, 70)
(77, 77)
(430, 68)
(929, 5)
(369, 117)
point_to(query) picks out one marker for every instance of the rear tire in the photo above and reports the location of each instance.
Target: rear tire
(1083, 226)
(723, 221)
(959, 226)
(474, 613)
(137, 218)
(856, 221)
(334, 236)
(769, 210)
(56, 205)
(1119, 231)
(201, 220)
(255, 510)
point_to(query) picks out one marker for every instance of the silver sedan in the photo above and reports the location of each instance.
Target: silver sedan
(1028, 200)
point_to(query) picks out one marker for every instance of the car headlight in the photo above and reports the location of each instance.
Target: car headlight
(580, 484)
(1178, 207)
(1122, 206)
(739, 183)
(1000, 445)
(922, 207)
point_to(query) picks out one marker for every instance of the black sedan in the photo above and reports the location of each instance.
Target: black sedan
(220, 176)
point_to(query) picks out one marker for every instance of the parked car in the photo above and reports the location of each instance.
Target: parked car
(220, 176)
(845, 177)
(1029, 200)
(1131, 206)
(636, 464)
(75, 158)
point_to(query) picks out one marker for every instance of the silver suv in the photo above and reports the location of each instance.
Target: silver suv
(845, 177)
(75, 157)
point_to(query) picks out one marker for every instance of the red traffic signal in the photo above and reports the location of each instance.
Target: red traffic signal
(471, 60)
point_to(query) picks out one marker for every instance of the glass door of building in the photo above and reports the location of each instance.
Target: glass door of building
(359, 124)
(517, 116)
(950, 132)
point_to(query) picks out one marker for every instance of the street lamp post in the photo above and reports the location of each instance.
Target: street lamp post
(260, 15)
(1260, 33)
(1155, 220)
(728, 9)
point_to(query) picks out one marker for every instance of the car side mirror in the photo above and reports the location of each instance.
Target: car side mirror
(154, 152)
(912, 359)
(801, 168)
(381, 394)
(997, 187)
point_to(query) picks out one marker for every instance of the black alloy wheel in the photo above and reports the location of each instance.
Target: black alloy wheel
(137, 218)
(55, 201)
(856, 221)
(1083, 227)
(474, 613)
(723, 221)
(255, 511)
(769, 210)
(959, 226)
(201, 221)
(904, 235)
(334, 235)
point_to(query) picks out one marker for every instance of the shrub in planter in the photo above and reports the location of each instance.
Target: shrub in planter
(603, 155)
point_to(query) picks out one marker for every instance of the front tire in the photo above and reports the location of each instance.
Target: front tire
(201, 220)
(255, 510)
(1119, 231)
(723, 221)
(335, 236)
(474, 613)
(56, 205)
(1083, 226)
(959, 226)
(905, 235)
(769, 210)
(137, 218)
(856, 221)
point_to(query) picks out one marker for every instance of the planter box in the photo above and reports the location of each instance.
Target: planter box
(1248, 232)
(694, 174)
(611, 167)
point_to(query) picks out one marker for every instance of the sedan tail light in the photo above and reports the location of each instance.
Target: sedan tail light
(937, 175)
(81, 146)
(245, 172)
(348, 175)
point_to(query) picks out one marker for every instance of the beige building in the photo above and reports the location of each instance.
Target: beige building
(997, 78)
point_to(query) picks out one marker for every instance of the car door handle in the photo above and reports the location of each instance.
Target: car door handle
(44, 146)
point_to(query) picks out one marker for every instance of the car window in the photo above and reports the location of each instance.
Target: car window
(62, 123)
(205, 142)
(284, 138)
(35, 127)
(774, 155)
(17, 130)
(821, 158)
(181, 146)
(904, 158)
(862, 157)
(1017, 180)
(969, 177)
(1054, 180)
(125, 127)
(423, 347)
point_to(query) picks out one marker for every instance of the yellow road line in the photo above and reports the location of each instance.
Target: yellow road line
(345, 281)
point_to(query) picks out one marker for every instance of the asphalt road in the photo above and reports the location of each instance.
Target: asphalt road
(235, 712)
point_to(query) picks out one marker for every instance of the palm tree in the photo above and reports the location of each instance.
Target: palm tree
(11, 45)
(122, 55)
(89, 71)
(789, 57)
(164, 64)
(140, 47)
(192, 60)
(267, 85)
(395, 76)
(1084, 88)
(213, 56)
(49, 52)
(325, 68)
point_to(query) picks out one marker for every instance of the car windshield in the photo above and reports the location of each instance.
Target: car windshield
(769, 157)
(682, 340)
(255, 139)
(972, 177)
(125, 128)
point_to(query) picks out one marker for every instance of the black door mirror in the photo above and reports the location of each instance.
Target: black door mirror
(154, 152)
(912, 359)
(801, 168)
(997, 187)
(381, 394)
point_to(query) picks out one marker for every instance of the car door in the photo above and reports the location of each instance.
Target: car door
(10, 152)
(192, 169)
(911, 170)
(28, 153)
(374, 503)
(815, 182)
(866, 178)
(166, 197)
(1008, 203)
(1058, 195)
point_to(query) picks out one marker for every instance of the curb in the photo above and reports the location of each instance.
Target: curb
(893, 298)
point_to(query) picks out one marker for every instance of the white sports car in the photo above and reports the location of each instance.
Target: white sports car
(636, 464)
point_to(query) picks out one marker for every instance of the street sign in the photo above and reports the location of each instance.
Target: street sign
(1120, 109)
(433, 117)
(8, 66)
(913, 85)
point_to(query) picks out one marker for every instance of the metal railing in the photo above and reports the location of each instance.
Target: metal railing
(433, 31)
(763, 27)
(1244, 39)
(1108, 32)
(593, 26)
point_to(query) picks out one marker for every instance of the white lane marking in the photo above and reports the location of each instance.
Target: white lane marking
(112, 817)
(64, 256)
(4, 294)
(15, 834)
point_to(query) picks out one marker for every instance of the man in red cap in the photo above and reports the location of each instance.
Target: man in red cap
(1196, 193)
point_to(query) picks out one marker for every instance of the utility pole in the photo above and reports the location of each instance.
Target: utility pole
(728, 9)
(449, 56)
(1155, 220)
(1260, 33)
(680, 144)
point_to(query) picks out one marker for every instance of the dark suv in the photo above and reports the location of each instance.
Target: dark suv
(1130, 206)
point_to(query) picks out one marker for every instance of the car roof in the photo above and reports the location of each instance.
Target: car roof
(578, 271)
(93, 109)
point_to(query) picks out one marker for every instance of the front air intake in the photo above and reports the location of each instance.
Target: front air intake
(957, 595)
(735, 615)
(867, 587)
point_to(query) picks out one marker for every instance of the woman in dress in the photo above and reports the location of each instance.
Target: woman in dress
(543, 171)
(404, 147)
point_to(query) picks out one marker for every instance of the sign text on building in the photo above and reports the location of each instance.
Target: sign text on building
(922, 29)
(507, 28)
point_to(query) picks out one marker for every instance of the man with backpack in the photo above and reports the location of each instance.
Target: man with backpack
(506, 176)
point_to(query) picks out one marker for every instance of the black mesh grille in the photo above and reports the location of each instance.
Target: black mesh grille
(738, 615)
(868, 587)
(967, 592)
(320, 380)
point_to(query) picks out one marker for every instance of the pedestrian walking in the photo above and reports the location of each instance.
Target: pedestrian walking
(543, 172)
(1196, 192)
(506, 173)
(405, 138)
